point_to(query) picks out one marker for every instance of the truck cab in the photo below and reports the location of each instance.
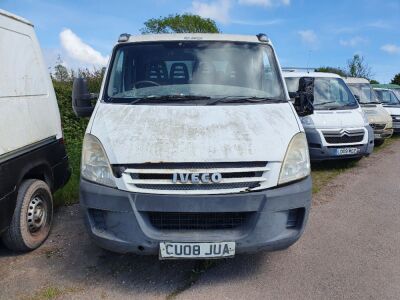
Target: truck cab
(338, 128)
(392, 105)
(379, 119)
(33, 159)
(193, 149)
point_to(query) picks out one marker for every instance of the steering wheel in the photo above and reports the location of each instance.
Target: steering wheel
(148, 82)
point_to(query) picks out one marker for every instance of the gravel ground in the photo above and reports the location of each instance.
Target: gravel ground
(350, 249)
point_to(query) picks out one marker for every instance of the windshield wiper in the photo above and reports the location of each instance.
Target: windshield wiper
(342, 106)
(169, 98)
(323, 103)
(242, 99)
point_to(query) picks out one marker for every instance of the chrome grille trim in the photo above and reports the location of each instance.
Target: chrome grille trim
(156, 178)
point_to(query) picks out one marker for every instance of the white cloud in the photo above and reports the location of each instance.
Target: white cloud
(266, 3)
(79, 50)
(391, 49)
(308, 36)
(353, 42)
(218, 10)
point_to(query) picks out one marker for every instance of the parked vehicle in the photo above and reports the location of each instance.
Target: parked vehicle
(338, 128)
(394, 87)
(193, 149)
(392, 104)
(33, 161)
(378, 118)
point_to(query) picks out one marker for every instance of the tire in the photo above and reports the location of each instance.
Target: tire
(379, 142)
(33, 215)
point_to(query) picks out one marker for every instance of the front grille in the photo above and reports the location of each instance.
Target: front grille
(198, 221)
(158, 177)
(344, 137)
(396, 119)
(378, 126)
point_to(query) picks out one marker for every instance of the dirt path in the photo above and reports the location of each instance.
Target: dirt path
(351, 249)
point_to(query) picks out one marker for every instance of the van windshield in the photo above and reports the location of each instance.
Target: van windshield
(387, 97)
(192, 70)
(364, 91)
(329, 93)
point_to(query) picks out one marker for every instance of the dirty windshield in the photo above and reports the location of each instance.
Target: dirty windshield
(364, 91)
(193, 71)
(329, 93)
(387, 97)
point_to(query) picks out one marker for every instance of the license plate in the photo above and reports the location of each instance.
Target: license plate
(197, 250)
(347, 151)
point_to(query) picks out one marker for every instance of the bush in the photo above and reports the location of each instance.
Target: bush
(74, 130)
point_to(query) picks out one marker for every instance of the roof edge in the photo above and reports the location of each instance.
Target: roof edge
(15, 17)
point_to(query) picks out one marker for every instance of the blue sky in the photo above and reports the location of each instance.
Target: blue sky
(305, 33)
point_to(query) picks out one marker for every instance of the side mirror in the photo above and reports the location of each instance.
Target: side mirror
(304, 100)
(292, 95)
(81, 98)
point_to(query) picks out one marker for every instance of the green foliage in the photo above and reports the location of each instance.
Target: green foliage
(74, 130)
(357, 67)
(185, 23)
(396, 79)
(373, 81)
(60, 71)
(338, 71)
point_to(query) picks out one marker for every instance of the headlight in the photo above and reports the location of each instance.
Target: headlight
(95, 166)
(296, 164)
(365, 118)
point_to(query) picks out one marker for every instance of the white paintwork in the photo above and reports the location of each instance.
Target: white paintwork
(332, 119)
(28, 105)
(391, 109)
(193, 36)
(227, 133)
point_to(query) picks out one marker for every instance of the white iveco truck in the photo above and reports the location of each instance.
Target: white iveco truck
(193, 149)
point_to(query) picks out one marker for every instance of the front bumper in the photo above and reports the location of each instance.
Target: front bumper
(118, 220)
(320, 151)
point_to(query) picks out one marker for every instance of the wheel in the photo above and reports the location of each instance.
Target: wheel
(378, 142)
(31, 222)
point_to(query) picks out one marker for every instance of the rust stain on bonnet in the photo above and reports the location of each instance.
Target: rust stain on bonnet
(193, 133)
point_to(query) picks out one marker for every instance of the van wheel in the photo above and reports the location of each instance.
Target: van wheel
(30, 225)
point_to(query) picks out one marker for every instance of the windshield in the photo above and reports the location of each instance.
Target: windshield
(329, 93)
(387, 97)
(364, 91)
(175, 70)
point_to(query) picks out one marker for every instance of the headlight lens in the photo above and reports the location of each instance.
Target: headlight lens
(95, 166)
(296, 164)
(365, 118)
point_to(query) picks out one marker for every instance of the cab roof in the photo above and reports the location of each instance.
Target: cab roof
(194, 37)
(309, 74)
(355, 80)
(14, 17)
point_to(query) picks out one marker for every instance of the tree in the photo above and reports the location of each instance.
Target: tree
(334, 70)
(60, 71)
(396, 79)
(357, 67)
(185, 23)
(373, 81)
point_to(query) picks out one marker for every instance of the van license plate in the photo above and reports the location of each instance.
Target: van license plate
(347, 151)
(197, 250)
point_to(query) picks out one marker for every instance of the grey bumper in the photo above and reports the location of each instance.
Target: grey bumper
(119, 220)
(318, 152)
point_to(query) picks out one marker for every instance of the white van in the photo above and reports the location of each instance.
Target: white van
(378, 118)
(338, 128)
(193, 149)
(33, 161)
(392, 105)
